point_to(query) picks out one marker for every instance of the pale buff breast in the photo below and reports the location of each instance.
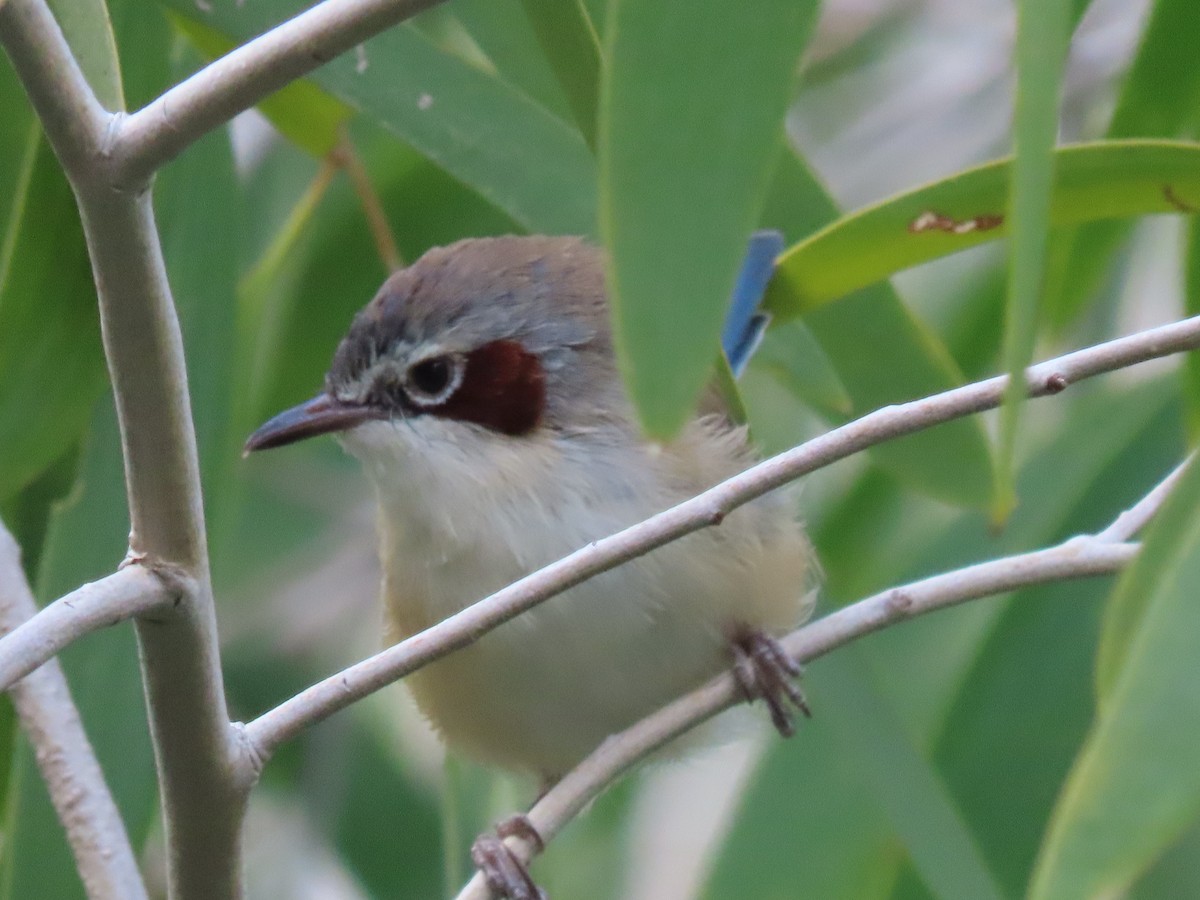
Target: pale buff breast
(540, 692)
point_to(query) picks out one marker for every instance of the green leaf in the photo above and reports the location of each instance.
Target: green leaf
(1043, 32)
(882, 353)
(198, 206)
(480, 130)
(1005, 741)
(86, 26)
(384, 825)
(15, 136)
(920, 807)
(51, 367)
(144, 46)
(793, 356)
(1158, 98)
(1175, 874)
(1133, 601)
(780, 846)
(691, 114)
(1135, 787)
(1093, 181)
(569, 42)
(502, 30)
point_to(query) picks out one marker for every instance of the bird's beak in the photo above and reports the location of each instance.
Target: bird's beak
(320, 415)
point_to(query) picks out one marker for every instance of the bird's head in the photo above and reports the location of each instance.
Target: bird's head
(488, 339)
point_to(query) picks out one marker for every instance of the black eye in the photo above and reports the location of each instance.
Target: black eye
(433, 380)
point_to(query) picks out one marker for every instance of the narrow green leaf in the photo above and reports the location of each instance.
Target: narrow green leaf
(384, 825)
(145, 41)
(480, 130)
(791, 353)
(17, 117)
(1132, 602)
(1175, 874)
(86, 26)
(727, 386)
(920, 807)
(51, 367)
(509, 150)
(27, 514)
(197, 203)
(1135, 786)
(569, 43)
(1093, 181)
(1043, 32)
(1006, 742)
(882, 353)
(691, 114)
(504, 33)
(1158, 98)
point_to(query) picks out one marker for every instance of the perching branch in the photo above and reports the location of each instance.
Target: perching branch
(73, 778)
(1079, 557)
(132, 591)
(709, 508)
(152, 136)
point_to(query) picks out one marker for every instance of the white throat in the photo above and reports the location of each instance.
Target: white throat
(464, 512)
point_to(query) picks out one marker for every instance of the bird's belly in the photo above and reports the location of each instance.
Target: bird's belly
(539, 692)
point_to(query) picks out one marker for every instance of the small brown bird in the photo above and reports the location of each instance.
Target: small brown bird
(480, 391)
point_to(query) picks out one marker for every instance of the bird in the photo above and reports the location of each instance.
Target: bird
(480, 390)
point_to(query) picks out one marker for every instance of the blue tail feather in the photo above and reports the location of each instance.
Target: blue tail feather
(745, 322)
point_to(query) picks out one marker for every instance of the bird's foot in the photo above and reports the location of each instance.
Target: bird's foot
(506, 875)
(765, 671)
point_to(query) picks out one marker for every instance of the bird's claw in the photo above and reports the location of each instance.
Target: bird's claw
(505, 874)
(765, 671)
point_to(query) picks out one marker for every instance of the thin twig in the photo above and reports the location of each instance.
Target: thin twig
(1134, 519)
(130, 592)
(709, 508)
(150, 137)
(73, 778)
(1077, 558)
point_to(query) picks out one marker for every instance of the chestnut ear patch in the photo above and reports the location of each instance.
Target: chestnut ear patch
(503, 388)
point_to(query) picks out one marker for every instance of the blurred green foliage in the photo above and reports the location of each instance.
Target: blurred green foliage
(966, 754)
